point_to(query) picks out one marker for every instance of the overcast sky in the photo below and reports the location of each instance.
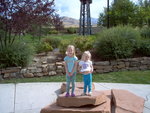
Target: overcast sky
(71, 8)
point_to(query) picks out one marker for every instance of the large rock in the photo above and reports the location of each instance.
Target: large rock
(127, 102)
(96, 98)
(103, 108)
(79, 85)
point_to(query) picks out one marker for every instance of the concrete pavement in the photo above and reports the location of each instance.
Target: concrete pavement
(31, 97)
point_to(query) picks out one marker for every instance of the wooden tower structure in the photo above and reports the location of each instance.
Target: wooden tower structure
(85, 18)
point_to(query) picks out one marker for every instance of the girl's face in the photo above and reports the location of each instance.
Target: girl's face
(86, 57)
(70, 52)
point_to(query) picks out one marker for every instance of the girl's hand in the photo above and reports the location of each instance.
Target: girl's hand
(80, 72)
(69, 74)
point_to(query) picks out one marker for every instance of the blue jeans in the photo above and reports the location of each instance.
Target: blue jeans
(70, 79)
(87, 79)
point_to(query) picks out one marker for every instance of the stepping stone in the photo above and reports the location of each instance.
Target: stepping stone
(103, 108)
(97, 98)
(127, 102)
(79, 85)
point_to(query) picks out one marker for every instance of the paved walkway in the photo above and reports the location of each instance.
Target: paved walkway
(31, 97)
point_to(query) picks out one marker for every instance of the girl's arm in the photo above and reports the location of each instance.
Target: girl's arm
(91, 68)
(79, 69)
(74, 67)
(66, 68)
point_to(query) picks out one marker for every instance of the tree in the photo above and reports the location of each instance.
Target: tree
(57, 23)
(126, 12)
(18, 16)
(144, 9)
(121, 12)
(101, 20)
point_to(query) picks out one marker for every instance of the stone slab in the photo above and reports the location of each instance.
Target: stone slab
(103, 108)
(97, 98)
(142, 90)
(127, 102)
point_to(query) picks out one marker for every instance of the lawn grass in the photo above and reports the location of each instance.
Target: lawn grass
(136, 77)
(63, 36)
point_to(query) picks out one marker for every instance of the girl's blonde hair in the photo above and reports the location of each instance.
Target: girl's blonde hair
(73, 48)
(86, 53)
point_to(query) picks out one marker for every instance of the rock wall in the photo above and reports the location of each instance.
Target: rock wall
(52, 64)
(142, 63)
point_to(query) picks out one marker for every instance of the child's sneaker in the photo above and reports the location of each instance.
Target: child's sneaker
(83, 94)
(73, 95)
(67, 95)
(90, 93)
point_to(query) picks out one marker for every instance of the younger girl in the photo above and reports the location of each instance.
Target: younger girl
(70, 67)
(86, 69)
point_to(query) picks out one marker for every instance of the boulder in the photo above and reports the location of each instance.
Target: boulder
(54, 108)
(127, 102)
(79, 85)
(96, 98)
(102, 108)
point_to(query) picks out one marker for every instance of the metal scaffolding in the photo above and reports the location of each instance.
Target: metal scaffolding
(85, 18)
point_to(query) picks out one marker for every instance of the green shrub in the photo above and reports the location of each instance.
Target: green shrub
(117, 42)
(145, 32)
(144, 48)
(53, 32)
(71, 30)
(18, 54)
(43, 47)
(63, 45)
(54, 42)
(45, 30)
(84, 42)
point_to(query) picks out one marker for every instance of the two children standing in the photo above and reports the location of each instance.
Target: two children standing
(86, 69)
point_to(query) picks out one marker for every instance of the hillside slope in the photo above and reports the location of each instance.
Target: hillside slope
(71, 22)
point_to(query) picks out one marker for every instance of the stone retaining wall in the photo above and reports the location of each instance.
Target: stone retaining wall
(53, 65)
(142, 63)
